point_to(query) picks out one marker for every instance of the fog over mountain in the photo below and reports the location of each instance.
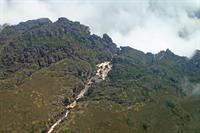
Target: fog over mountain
(147, 25)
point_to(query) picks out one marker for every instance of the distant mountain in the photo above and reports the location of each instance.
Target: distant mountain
(45, 64)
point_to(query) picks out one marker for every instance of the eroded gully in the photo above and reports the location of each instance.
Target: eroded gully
(101, 74)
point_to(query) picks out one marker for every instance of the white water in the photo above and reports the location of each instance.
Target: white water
(101, 74)
(58, 122)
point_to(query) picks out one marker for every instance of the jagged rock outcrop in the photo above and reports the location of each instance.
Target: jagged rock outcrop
(195, 60)
(41, 42)
(24, 26)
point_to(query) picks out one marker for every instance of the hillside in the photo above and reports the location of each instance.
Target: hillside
(44, 65)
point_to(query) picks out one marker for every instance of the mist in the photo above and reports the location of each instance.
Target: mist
(190, 89)
(147, 25)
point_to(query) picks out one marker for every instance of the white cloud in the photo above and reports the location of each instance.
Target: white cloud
(147, 25)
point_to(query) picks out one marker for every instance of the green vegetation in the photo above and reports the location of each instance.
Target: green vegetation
(43, 65)
(39, 98)
(139, 96)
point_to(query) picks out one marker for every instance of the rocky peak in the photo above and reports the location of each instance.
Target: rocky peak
(194, 62)
(107, 38)
(43, 21)
(24, 26)
(109, 43)
(63, 20)
(73, 27)
(167, 54)
(197, 53)
(196, 56)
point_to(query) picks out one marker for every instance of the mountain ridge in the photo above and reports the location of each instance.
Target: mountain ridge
(44, 66)
(62, 20)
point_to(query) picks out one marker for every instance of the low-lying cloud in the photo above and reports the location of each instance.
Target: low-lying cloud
(147, 25)
(191, 89)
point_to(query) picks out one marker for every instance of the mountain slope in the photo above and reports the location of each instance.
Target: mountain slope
(44, 65)
(141, 95)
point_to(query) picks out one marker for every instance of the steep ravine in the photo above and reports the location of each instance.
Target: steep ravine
(101, 74)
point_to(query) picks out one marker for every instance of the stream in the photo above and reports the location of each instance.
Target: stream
(102, 72)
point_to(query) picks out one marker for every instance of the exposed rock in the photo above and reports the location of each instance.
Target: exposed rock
(195, 61)
(23, 26)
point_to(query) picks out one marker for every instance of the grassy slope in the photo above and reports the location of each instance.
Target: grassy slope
(29, 105)
(155, 117)
(138, 98)
(42, 66)
(125, 103)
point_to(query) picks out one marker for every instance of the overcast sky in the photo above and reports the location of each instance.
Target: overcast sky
(147, 25)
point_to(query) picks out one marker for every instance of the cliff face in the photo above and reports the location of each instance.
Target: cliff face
(41, 43)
